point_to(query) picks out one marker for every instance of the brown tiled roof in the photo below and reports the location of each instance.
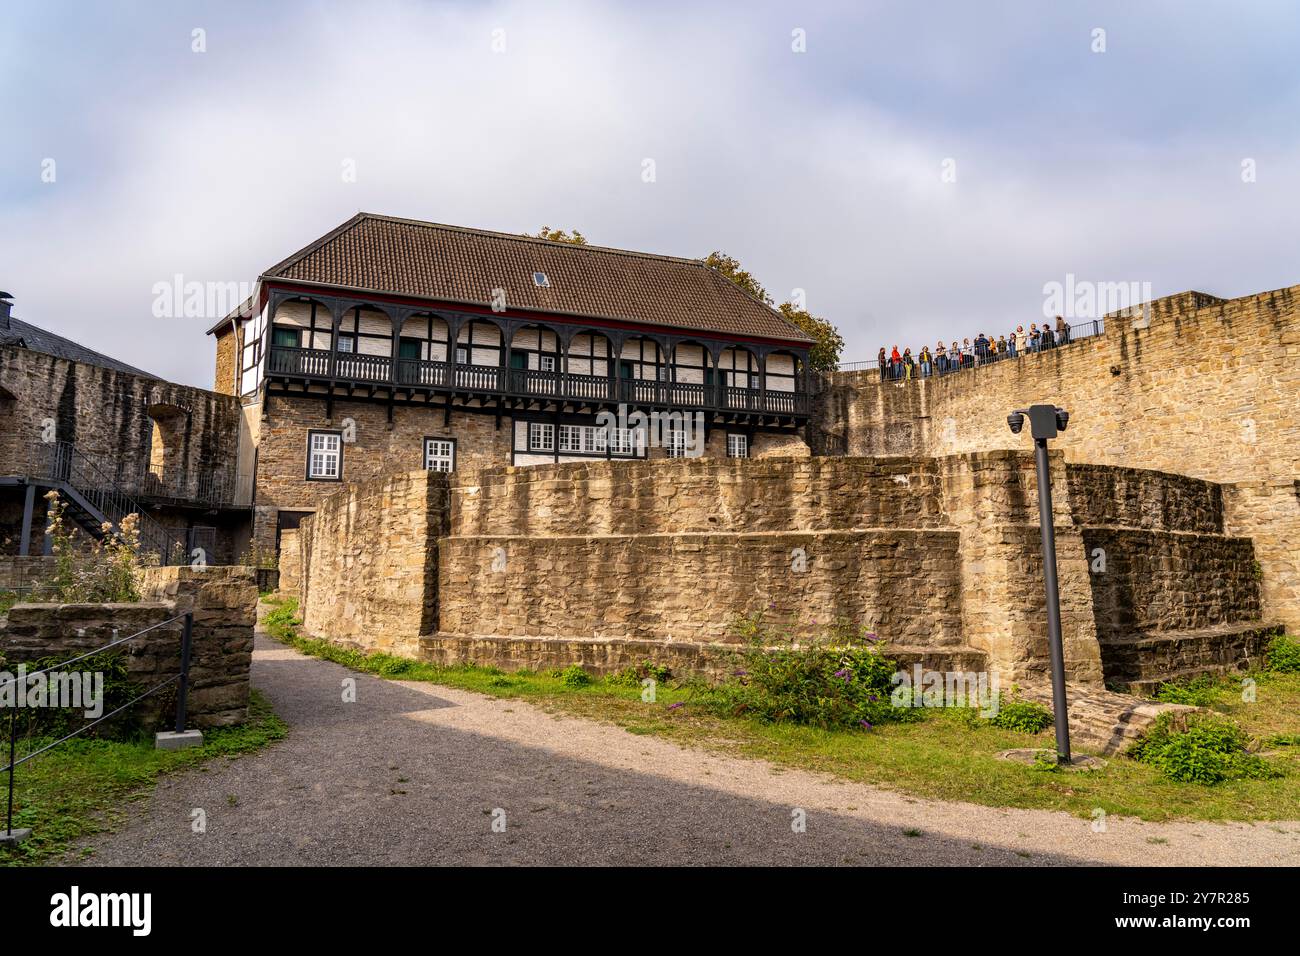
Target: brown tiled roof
(454, 264)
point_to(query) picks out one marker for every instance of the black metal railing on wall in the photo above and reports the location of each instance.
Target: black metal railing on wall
(973, 357)
(181, 679)
(62, 462)
(175, 485)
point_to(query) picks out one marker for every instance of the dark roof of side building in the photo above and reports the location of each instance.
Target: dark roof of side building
(24, 334)
(429, 260)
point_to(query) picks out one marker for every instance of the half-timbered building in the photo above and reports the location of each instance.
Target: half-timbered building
(392, 344)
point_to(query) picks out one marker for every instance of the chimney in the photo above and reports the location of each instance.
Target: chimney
(6, 306)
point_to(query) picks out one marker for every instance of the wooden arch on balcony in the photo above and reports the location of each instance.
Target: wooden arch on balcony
(496, 362)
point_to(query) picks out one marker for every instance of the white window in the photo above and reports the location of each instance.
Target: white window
(439, 454)
(541, 281)
(663, 373)
(755, 382)
(324, 455)
(585, 439)
(547, 363)
(541, 436)
(346, 343)
(571, 437)
(737, 446)
(462, 355)
(676, 443)
(626, 441)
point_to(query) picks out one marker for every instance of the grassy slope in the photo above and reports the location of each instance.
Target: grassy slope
(79, 788)
(941, 757)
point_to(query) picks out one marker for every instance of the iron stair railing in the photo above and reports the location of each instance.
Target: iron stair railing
(96, 498)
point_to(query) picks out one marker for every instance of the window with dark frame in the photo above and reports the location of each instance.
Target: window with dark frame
(440, 454)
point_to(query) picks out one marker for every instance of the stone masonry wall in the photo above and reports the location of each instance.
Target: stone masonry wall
(1208, 390)
(32, 632)
(594, 562)
(379, 449)
(105, 413)
(223, 601)
(368, 562)
(698, 495)
(901, 584)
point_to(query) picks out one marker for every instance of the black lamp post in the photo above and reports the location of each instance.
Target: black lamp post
(1046, 421)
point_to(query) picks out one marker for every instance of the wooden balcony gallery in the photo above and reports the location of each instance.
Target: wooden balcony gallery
(412, 313)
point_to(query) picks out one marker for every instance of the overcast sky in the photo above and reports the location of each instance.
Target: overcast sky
(821, 170)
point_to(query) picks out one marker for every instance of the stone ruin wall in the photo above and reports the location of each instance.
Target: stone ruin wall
(1210, 389)
(224, 603)
(605, 564)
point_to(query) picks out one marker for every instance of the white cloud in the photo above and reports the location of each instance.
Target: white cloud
(218, 165)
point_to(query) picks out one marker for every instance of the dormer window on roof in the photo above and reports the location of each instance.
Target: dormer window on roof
(540, 280)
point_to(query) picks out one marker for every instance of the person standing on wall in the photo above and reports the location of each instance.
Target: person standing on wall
(1062, 332)
(882, 363)
(941, 357)
(896, 363)
(925, 361)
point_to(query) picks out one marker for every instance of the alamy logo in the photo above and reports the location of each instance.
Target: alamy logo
(1087, 301)
(82, 690)
(977, 690)
(682, 433)
(74, 908)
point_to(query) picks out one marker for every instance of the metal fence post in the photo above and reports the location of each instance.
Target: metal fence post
(13, 741)
(187, 634)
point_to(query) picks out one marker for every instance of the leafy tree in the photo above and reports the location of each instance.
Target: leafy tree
(827, 341)
(729, 267)
(559, 235)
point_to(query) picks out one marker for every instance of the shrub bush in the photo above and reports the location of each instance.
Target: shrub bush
(1026, 716)
(841, 680)
(1197, 692)
(1200, 748)
(633, 676)
(574, 676)
(1283, 655)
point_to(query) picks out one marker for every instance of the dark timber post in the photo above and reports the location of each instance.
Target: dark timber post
(13, 741)
(29, 504)
(182, 695)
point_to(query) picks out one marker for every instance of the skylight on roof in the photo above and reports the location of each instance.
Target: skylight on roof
(541, 281)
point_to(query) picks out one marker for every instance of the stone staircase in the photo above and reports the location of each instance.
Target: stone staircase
(1141, 662)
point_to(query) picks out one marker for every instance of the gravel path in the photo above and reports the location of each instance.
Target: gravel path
(412, 774)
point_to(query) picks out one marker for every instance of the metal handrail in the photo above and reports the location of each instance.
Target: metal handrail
(1076, 333)
(64, 462)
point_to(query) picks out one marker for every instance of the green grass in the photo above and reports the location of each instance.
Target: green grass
(945, 756)
(80, 787)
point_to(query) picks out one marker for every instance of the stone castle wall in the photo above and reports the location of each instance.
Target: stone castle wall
(380, 447)
(366, 562)
(105, 413)
(1208, 390)
(595, 562)
(223, 601)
